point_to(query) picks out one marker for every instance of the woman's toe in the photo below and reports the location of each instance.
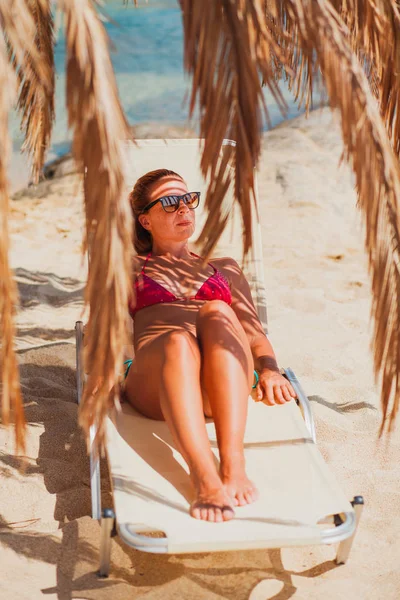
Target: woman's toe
(211, 515)
(248, 496)
(204, 514)
(195, 512)
(218, 515)
(240, 498)
(227, 513)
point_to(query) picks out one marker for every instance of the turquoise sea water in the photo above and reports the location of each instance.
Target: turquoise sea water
(148, 61)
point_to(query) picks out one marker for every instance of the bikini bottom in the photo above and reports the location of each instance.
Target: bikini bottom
(130, 361)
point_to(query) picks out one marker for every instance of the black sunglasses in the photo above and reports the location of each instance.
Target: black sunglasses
(171, 203)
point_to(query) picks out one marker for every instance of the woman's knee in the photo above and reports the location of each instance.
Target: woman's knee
(214, 310)
(180, 343)
(216, 318)
(218, 327)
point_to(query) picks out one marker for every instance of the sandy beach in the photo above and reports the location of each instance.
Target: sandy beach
(318, 293)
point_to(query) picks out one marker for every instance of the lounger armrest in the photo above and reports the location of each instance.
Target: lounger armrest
(303, 402)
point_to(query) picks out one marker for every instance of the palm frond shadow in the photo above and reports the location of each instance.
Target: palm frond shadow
(285, 522)
(53, 346)
(64, 464)
(73, 550)
(43, 189)
(345, 407)
(148, 494)
(45, 333)
(136, 489)
(61, 551)
(35, 287)
(62, 444)
(156, 452)
(36, 546)
(16, 463)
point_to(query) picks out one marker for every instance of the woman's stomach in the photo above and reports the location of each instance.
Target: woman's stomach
(158, 319)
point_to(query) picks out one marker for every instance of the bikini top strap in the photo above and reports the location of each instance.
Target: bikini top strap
(145, 263)
(211, 265)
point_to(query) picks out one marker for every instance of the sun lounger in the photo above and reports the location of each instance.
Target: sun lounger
(300, 502)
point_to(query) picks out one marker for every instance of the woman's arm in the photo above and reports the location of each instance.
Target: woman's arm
(272, 387)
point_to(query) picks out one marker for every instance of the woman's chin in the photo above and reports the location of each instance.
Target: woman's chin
(185, 232)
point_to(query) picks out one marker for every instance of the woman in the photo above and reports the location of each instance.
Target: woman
(197, 340)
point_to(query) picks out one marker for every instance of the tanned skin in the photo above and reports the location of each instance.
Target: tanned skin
(196, 358)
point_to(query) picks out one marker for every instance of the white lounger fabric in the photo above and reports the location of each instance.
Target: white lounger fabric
(151, 486)
(152, 490)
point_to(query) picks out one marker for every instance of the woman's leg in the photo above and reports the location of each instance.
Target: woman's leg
(164, 383)
(227, 377)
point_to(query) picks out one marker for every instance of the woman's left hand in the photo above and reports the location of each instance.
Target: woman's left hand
(273, 388)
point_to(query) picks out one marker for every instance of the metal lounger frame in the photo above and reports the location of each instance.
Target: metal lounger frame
(345, 524)
(343, 531)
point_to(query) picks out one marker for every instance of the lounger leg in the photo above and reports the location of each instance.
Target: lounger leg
(107, 525)
(345, 546)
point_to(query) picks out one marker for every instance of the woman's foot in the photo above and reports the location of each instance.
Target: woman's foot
(212, 502)
(238, 486)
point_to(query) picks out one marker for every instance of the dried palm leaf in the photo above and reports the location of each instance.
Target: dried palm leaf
(307, 79)
(36, 97)
(227, 46)
(10, 391)
(365, 23)
(277, 66)
(99, 126)
(18, 28)
(320, 32)
(17, 40)
(375, 31)
(302, 71)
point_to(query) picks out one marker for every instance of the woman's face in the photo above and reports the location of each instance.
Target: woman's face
(176, 226)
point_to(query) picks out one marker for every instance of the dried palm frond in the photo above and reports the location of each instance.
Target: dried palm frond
(10, 391)
(366, 25)
(99, 127)
(362, 41)
(227, 47)
(36, 97)
(17, 41)
(375, 31)
(282, 38)
(18, 28)
(320, 33)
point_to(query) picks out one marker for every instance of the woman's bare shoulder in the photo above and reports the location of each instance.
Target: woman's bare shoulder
(230, 269)
(137, 262)
(226, 263)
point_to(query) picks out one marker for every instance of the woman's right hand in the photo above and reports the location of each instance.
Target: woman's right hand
(273, 388)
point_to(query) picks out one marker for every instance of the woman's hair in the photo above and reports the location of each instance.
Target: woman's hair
(139, 198)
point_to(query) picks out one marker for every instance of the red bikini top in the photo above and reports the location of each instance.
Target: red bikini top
(149, 292)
